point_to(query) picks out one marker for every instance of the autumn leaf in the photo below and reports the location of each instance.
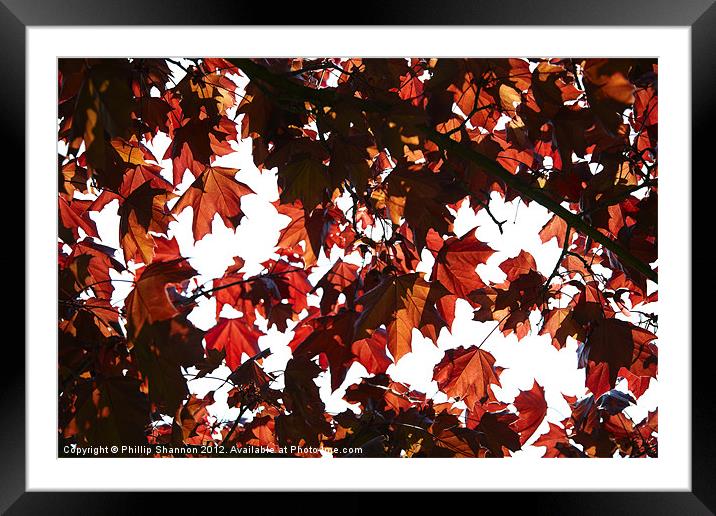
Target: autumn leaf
(350, 159)
(618, 343)
(103, 316)
(137, 176)
(235, 337)
(521, 264)
(331, 336)
(637, 384)
(341, 278)
(113, 411)
(205, 93)
(421, 196)
(252, 386)
(191, 416)
(458, 441)
(401, 303)
(532, 409)
(456, 262)
(88, 266)
(554, 228)
(306, 421)
(198, 140)
(162, 349)
(149, 301)
(243, 294)
(257, 109)
(305, 180)
(608, 89)
(302, 228)
(215, 191)
(598, 378)
(466, 374)
(370, 352)
(143, 211)
(556, 443)
(103, 104)
(73, 216)
(560, 324)
(384, 394)
(287, 283)
(165, 249)
(498, 436)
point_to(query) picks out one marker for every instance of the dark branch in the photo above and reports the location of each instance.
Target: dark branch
(331, 97)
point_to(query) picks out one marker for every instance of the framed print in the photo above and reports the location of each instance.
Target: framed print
(434, 254)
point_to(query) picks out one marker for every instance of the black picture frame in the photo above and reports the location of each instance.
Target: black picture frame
(700, 15)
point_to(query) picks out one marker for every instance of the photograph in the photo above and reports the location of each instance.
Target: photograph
(357, 257)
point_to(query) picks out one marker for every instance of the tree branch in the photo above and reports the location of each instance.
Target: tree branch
(202, 292)
(331, 97)
(539, 196)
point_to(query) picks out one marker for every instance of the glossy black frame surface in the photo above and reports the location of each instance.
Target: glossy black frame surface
(700, 15)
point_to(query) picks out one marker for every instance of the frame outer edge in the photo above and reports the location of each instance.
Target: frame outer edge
(12, 37)
(703, 110)
(12, 395)
(533, 503)
(371, 12)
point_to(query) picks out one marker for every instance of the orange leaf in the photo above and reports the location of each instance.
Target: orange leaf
(466, 373)
(149, 301)
(215, 191)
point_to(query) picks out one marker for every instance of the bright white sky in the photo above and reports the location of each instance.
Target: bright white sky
(532, 358)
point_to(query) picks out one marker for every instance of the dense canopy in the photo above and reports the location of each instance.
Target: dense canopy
(373, 159)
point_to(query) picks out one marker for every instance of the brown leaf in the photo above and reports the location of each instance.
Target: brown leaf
(456, 262)
(161, 350)
(341, 278)
(143, 211)
(331, 336)
(73, 216)
(88, 266)
(560, 324)
(521, 264)
(401, 303)
(304, 180)
(149, 301)
(621, 344)
(191, 416)
(215, 191)
(498, 436)
(421, 197)
(302, 228)
(114, 411)
(637, 384)
(306, 421)
(609, 89)
(466, 374)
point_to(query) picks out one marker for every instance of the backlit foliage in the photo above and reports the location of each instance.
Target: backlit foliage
(407, 141)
